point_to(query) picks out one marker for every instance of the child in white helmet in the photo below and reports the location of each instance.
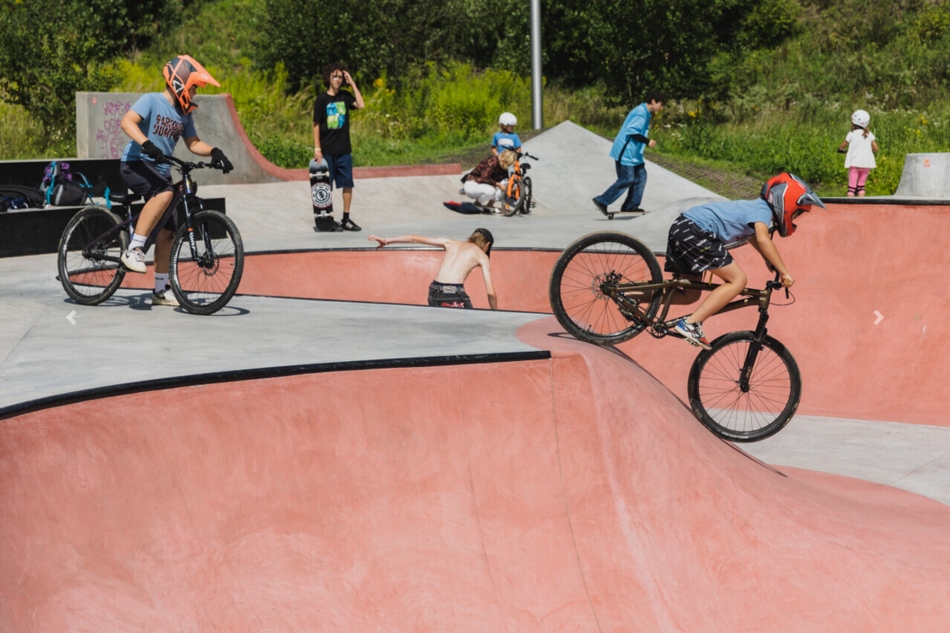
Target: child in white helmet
(860, 146)
(506, 139)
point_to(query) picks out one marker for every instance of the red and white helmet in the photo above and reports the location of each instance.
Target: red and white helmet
(788, 195)
(181, 74)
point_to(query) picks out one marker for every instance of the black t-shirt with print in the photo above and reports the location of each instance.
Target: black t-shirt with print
(332, 114)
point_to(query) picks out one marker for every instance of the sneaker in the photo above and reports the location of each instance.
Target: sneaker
(638, 211)
(600, 206)
(336, 228)
(350, 225)
(164, 298)
(134, 260)
(692, 332)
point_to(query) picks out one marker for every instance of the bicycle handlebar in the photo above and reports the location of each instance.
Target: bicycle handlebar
(527, 155)
(184, 164)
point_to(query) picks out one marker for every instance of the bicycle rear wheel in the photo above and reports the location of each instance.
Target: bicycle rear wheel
(580, 276)
(715, 395)
(515, 202)
(88, 256)
(204, 282)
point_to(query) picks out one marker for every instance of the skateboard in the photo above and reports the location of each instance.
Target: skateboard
(611, 214)
(321, 196)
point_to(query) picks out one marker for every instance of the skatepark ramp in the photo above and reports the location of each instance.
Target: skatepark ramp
(98, 135)
(560, 494)
(925, 175)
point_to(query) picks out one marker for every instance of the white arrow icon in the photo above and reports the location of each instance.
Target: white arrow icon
(70, 317)
(880, 317)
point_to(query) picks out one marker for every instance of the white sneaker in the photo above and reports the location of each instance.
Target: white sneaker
(165, 298)
(134, 260)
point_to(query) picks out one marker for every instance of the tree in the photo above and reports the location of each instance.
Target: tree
(50, 49)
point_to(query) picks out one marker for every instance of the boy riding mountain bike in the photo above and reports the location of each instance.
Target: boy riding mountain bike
(698, 239)
(155, 123)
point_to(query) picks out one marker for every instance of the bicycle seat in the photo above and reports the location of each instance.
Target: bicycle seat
(123, 198)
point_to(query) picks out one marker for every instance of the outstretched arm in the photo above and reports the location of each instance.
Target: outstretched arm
(410, 239)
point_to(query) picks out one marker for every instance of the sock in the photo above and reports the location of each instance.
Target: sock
(138, 242)
(161, 281)
(346, 217)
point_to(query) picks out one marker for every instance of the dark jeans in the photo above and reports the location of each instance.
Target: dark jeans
(630, 178)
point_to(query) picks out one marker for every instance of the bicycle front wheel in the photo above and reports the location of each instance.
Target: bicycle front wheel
(514, 198)
(744, 415)
(585, 270)
(204, 281)
(88, 256)
(526, 194)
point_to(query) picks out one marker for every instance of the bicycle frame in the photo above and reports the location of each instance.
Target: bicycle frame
(516, 173)
(184, 190)
(659, 327)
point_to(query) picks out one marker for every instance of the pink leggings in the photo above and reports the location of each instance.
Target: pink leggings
(857, 176)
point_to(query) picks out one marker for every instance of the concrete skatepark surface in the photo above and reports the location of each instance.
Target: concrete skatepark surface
(564, 492)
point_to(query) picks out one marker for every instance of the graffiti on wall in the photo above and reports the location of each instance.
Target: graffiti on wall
(110, 139)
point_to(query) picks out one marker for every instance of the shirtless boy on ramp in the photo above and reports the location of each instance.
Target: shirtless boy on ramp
(461, 258)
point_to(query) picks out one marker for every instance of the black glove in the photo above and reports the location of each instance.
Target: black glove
(153, 152)
(218, 159)
(842, 151)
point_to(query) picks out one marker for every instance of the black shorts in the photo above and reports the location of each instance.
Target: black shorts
(143, 178)
(695, 250)
(448, 295)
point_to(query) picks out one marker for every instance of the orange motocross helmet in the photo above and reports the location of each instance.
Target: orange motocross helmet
(788, 196)
(181, 74)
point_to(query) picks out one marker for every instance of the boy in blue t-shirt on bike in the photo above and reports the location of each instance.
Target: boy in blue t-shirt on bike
(506, 139)
(155, 123)
(699, 238)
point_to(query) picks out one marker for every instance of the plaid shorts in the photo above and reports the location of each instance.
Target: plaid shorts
(696, 250)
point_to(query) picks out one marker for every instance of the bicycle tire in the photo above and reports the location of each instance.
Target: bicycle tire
(206, 285)
(576, 281)
(87, 279)
(773, 397)
(511, 208)
(526, 194)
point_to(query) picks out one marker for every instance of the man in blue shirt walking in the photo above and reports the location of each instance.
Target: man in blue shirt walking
(627, 152)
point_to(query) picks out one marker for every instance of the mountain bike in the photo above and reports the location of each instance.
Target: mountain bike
(518, 193)
(607, 288)
(207, 256)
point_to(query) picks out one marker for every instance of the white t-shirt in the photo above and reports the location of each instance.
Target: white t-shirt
(860, 153)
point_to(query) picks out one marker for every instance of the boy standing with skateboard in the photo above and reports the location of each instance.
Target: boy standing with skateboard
(331, 132)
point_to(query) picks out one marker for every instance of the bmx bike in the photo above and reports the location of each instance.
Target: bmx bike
(207, 256)
(518, 193)
(607, 288)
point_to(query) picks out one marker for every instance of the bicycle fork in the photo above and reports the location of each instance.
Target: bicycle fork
(754, 348)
